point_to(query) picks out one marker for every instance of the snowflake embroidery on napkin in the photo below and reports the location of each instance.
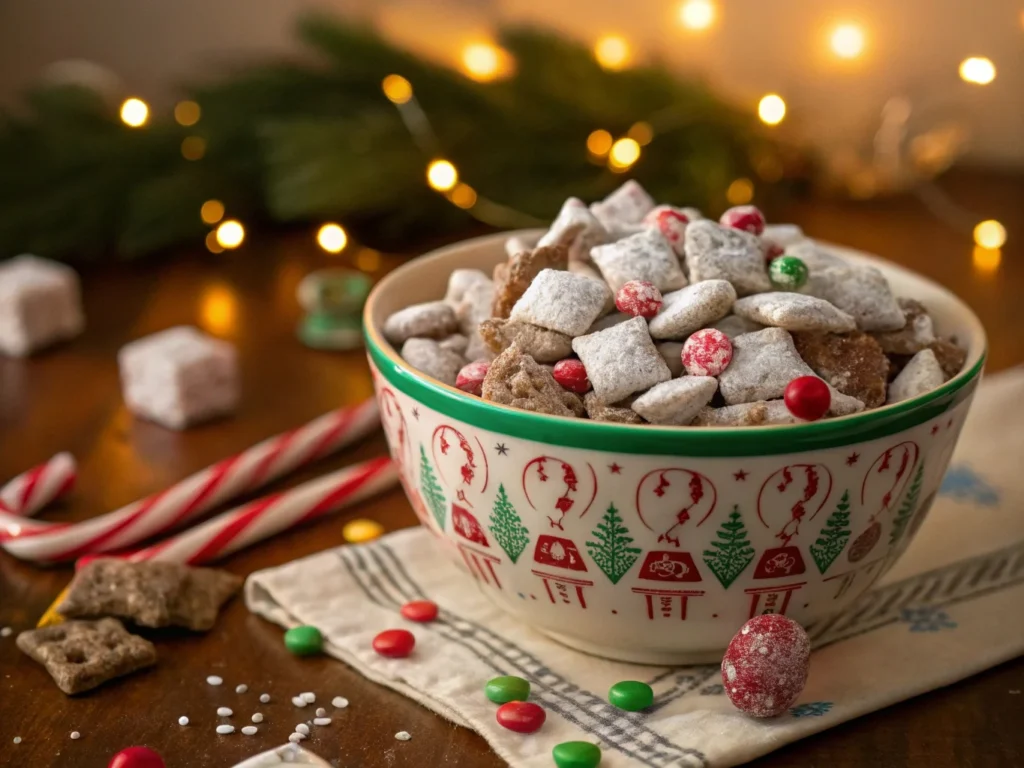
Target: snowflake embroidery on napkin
(962, 482)
(931, 619)
(811, 709)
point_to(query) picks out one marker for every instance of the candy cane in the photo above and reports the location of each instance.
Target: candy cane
(266, 461)
(30, 491)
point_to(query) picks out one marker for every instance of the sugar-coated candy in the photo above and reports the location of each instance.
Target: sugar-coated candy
(576, 754)
(787, 273)
(40, 304)
(807, 398)
(521, 716)
(506, 688)
(304, 640)
(571, 375)
(745, 217)
(638, 298)
(631, 695)
(419, 610)
(459, 282)
(394, 643)
(671, 222)
(136, 757)
(951, 357)
(765, 666)
(471, 377)
(707, 352)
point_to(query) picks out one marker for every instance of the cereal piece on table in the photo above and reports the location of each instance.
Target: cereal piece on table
(626, 205)
(618, 413)
(747, 218)
(645, 256)
(853, 363)
(734, 325)
(150, 594)
(676, 402)
(471, 377)
(722, 253)
(459, 282)
(585, 269)
(542, 345)
(621, 360)
(517, 380)
(794, 312)
(922, 374)
(427, 356)
(765, 667)
(560, 301)
(671, 222)
(860, 291)
(430, 320)
(782, 235)
(672, 353)
(80, 655)
(951, 356)
(523, 268)
(692, 308)
(40, 304)
(577, 229)
(707, 352)
(756, 414)
(639, 298)
(179, 377)
(517, 244)
(456, 343)
(917, 334)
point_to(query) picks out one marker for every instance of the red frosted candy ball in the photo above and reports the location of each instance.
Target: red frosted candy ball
(394, 643)
(136, 757)
(765, 666)
(471, 377)
(420, 610)
(707, 353)
(746, 217)
(639, 298)
(772, 251)
(571, 375)
(520, 716)
(808, 398)
(670, 222)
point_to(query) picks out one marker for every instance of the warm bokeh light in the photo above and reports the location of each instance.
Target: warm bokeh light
(230, 234)
(612, 52)
(641, 133)
(134, 112)
(485, 61)
(847, 41)
(769, 166)
(193, 147)
(397, 89)
(623, 154)
(771, 109)
(367, 260)
(986, 260)
(218, 310)
(977, 70)
(697, 14)
(441, 175)
(740, 192)
(332, 238)
(599, 142)
(212, 211)
(211, 242)
(463, 196)
(990, 234)
(187, 113)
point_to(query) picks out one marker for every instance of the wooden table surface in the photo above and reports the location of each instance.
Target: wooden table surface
(69, 399)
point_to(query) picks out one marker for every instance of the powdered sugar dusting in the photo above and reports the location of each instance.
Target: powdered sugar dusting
(766, 665)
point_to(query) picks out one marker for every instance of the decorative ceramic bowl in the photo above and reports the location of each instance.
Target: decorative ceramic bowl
(654, 544)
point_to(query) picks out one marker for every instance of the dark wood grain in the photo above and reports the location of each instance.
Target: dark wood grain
(68, 399)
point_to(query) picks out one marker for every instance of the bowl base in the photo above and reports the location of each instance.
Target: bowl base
(639, 656)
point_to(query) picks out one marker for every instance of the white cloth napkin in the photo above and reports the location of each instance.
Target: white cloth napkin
(950, 607)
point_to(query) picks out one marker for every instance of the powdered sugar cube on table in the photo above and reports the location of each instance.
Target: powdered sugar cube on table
(40, 304)
(655, 314)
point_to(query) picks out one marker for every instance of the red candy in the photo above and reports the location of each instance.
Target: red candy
(670, 222)
(639, 298)
(765, 666)
(707, 353)
(571, 375)
(745, 217)
(420, 610)
(520, 716)
(394, 643)
(136, 757)
(772, 251)
(808, 398)
(471, 377)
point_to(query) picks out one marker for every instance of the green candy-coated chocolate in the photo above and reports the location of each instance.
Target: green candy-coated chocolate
(631, 695)
(304, 640)
(506, 688)
(576, 754)
(787, 273)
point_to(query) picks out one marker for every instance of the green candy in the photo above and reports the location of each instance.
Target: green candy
(631, 695)
(304, 641)
(506, 688)
(787, 272)
(320, 330)
(576, 754)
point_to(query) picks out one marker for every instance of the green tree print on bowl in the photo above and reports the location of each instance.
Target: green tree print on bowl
(507, 526)
(611, 551)
(907, 509)
(432, 492)
(833, 536)
(732, 552)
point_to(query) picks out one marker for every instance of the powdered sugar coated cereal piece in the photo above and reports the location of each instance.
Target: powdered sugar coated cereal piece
(577, 229)
(672, 353)
(430, 320)
(517, 244)
(542, 345)
(922, 374)
(765, 667)
(676, 402)
(794, 312)
(471, 377)
(671, 222)
(639, 298)
(428, 356)
(860, 291)
(722, 253)
(459, 281)
(560, 301)
(782, 235)
(617, 413)
(621, 360)
(626, 205)
(474, 306)
(734, 325)
(853, 363)
(644, 256)
(607, 322)
(814, 256)
(511, 283)
(951, 356)
(757, 414)
(456, 343)
(693, 307)
(584, 269)
(707, 352)
(518, 380)
(917, 334)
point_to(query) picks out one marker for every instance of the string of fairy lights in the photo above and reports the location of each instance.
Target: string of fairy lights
(485, 61)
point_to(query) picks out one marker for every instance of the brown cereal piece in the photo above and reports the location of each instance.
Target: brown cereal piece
(645, 256)
(676, 402)
(621, 360)
(860, 291)
(951, 356)
(853, 363)
(922, 374)
(431, 320)
(429, 357)
(722, 253)
(561, 301)
(577, 229)
(757, 414)
(518, 380)
(917, 334)
(692, 308)
(542, 345)
(80, 655)
(150, 594)
(626, 205)
(794, 312)
(618, 413)
(522, 269)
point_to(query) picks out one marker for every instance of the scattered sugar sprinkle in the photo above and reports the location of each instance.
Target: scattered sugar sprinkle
(17, 739)
(340, 702)
(241, 688)
(321, 712)
(302, 728)
(76, 735)
(257, 717)
(308, 697)
(6, 631)
(224, 712)
(295, 738)
(321, 721)
(250, 730)
(264, 698)
(214, 680)
(182, 720)
(403, 735)
(298, 701)
(223, 730)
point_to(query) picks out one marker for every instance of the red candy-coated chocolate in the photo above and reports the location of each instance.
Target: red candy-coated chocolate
(808, 398)
(765, 666)
(745, 217)
(420, 610)
(136, 757)
(773, 251)
(471, 377)
(571, 375)
(639, 298)
(707, 353)
(670, 222)
(520, 716)
(394, 643)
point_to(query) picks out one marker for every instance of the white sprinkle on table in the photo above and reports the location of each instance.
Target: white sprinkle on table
(214, 680)
(223, 730)
(340, 702)
(250, 730)
(241, 688)
(298, 701)
(224, 711)
(264, 698)
(295, 738)
(6, 631)
(17, 739)
(182, 720)
(302, 728)
(257, 717)
(321, 721)
(321, 712)
(308, 697)
(76, 735)
(403, 736)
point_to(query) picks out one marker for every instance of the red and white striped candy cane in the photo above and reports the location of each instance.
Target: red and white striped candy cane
(246, 471)
(30, 491)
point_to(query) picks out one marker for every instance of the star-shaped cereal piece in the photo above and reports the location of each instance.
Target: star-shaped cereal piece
(722, 253)
(692, 308)
(621, 360)
(676, 402)
(794, 312)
